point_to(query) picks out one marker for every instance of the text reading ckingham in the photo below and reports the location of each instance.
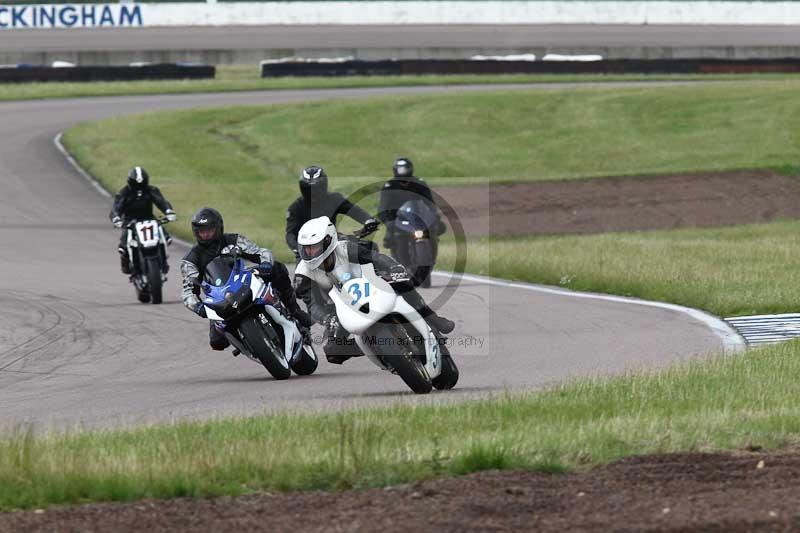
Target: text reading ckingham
(70, 16)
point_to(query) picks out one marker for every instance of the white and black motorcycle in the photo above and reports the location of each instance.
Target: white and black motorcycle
(147, 256)
(391, 332)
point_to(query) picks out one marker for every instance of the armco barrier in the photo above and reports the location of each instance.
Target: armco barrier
(468, 66)
(163, 71)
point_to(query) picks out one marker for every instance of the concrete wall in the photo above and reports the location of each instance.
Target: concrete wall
(406, 12)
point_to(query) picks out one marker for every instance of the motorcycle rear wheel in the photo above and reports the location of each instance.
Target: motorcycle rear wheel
(422, 277)
(263, 348)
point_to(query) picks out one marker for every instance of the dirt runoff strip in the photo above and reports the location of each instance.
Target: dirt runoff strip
(638, 203)
(683, 492)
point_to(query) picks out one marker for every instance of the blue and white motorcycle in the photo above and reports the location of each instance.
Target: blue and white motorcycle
(390, 332)
(250, 314)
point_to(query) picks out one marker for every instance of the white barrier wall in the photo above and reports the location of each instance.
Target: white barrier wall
(407, 12)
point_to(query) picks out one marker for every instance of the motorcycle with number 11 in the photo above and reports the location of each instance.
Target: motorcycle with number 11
(147, 256)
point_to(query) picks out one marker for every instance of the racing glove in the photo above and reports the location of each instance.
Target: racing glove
(264, 269)
(200, 310)
(171, 215)
(371, 225)
(117, 221)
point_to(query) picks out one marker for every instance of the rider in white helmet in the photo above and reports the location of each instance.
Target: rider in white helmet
(324, 261)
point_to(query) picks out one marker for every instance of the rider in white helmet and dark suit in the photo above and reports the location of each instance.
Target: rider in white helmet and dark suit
(324, 260)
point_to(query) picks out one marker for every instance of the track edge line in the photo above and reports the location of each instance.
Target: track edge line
(732, 341)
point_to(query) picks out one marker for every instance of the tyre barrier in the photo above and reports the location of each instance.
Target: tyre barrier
(156, 71)
(393, 67)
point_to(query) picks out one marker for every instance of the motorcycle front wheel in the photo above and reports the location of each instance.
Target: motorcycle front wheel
(448, 377)
(399, 356)
(261, 345)
(154, 282)
(307, 361)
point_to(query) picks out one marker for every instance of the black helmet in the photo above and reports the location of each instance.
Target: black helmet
(138, 178)
(313, 179)
(204, 220)
(403, 168)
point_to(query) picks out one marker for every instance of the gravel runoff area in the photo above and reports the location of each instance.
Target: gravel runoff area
(637, 203)
(750, 491)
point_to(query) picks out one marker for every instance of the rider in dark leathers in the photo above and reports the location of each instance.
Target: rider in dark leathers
(312, 284)
(212, 241)
(315, 201)
(135, 202)
(404, 187)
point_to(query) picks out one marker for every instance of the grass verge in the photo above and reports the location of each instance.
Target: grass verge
(248, 78)
(244, 161)
(726, 403)
(727, 271)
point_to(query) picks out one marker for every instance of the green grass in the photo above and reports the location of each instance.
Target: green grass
(727, 271)
(253, 154)
(726, 403)
(248, 78)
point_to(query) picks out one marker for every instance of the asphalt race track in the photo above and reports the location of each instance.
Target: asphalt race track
(422, 36)
(77, 349)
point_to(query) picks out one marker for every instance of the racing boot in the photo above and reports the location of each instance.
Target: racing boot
(216, 339)
(337, 350)
(124, 264)
(434, 320)
(440, 323)
(339, 346)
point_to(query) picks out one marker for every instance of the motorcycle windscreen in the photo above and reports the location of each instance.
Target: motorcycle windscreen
(219, 270)
(416, 215)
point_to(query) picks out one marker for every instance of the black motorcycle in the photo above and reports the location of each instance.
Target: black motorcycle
(147, 256)
(414, 242)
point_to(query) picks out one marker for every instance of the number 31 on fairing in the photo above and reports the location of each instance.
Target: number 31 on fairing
(358, 289)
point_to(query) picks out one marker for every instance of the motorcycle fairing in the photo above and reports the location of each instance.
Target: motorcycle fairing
(361, 302)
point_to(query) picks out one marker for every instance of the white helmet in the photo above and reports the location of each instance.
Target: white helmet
(316, 240)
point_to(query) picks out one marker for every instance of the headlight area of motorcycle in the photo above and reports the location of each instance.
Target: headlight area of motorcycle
(239, 298)
(418, 234)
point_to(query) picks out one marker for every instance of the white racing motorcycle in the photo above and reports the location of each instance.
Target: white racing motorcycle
(392, 333)
(147, 256)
